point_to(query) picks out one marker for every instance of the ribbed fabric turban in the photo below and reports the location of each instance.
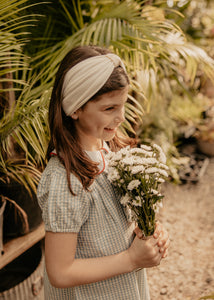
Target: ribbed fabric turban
(85, 79)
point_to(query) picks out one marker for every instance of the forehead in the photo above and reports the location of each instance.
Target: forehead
(112, 96)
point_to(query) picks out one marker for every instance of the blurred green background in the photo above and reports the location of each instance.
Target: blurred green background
(167, 47)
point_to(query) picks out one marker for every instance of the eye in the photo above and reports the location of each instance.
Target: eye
(109, 108)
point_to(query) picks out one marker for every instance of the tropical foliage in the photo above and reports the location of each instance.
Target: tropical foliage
(23, 109)
(153, 47)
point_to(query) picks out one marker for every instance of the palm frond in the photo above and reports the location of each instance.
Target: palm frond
(68, 15)
(20, 171)
(27, 125)
(49, 59)
(139, 37)
(193, 57)
(12, 32)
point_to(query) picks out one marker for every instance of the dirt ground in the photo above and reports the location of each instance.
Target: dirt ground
(188, 214)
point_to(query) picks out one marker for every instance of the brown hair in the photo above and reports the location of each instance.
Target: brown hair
(64, 137)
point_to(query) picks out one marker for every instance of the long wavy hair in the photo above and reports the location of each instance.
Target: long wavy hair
(64, 138)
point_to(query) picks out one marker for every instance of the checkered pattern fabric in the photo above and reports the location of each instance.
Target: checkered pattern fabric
(99, 219)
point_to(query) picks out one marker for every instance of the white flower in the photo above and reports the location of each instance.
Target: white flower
(125, 199)
(148, 153)
(138, 160)
(161, 180)
(142, 194)
(118, 156)
(113, 174)
(129, 214)
(163, 166)
(138, 198)
(157, 206)
(111, 163)
(162, 156)
(163, 173)
(137, 169)
(157, 171)
(127, 168)
(148, 161)
(128, 161)
(141, 151)
(136, 202)
(145, 147)
(155, 192)
(152, 170)
(133, 184)
(125, 150)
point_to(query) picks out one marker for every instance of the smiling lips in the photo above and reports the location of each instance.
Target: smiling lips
(110, 129)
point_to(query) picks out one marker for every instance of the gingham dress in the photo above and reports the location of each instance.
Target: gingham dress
(99, 219)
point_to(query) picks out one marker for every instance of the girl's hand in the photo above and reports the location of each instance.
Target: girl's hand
(163, 239)
(145, 253)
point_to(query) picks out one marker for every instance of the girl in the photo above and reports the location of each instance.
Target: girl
(90, 248)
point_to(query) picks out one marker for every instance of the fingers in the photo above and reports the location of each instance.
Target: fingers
(138, 232)
(161, 234)
(165, 253)
(165, 247)
(147, 251)
(158, 229)
(161, 239)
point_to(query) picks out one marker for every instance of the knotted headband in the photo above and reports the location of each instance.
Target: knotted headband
(85, 79)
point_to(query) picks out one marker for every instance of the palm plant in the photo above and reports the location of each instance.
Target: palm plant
(23, 114)
(156, 52)
(141, 34)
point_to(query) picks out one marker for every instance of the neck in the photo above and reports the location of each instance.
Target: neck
(93, 147)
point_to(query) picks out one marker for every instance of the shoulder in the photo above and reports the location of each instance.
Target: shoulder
(54, 166)
(53, 190)
(55, 175)
(62, 211)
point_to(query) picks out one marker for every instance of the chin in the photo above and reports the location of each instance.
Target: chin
(107, 139)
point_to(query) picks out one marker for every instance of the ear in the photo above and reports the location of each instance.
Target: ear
(74, 116)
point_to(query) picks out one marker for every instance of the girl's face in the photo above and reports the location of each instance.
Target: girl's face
(98, 120)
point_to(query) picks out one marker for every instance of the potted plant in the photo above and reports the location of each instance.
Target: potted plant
(22, 122)
(23, 136)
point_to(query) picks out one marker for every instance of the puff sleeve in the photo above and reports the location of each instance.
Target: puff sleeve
(61, 211)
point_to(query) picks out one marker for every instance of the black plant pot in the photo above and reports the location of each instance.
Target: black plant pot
(2, 208)
(23, 276)
(22, 212)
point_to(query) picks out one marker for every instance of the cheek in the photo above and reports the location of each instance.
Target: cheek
(94, 126)
(101, 122)
(95, 122)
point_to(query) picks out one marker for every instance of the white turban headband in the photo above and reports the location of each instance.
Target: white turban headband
(85, 79)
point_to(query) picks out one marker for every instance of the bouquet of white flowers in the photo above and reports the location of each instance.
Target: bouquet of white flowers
(137, 174)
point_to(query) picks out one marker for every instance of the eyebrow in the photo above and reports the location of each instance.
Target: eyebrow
(109, 104)
(113, 104)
